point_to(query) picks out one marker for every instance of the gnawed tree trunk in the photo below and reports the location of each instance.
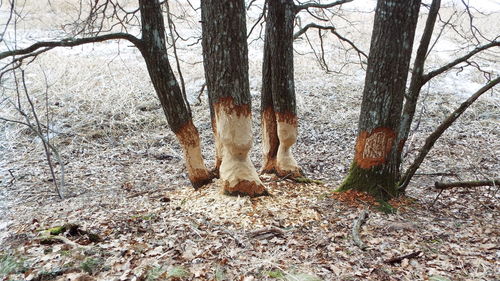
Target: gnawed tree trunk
(278, 105)
(375, 168)
(225, 58)
(174, 105)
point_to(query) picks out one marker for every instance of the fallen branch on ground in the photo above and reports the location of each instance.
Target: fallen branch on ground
(442, 185)
(401, 258)
(49, 239)
(355, 229)
(267, 232)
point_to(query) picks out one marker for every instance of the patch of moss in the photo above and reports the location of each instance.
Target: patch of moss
(374, 181)
(178, 272)
(10, 264)
(56, 230)
(220, 274)
(385, 207)
(156, 273)
(277, 274)
(90, 265)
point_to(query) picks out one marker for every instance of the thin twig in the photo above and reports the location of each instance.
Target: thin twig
(267, 232)
(401, 258)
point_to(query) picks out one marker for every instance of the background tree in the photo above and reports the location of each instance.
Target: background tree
(278, 104)
(225, 58)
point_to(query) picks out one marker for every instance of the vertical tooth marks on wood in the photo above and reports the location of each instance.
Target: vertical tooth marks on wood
(372, 148)
(270, 141)
(188, 137)
(225, 59)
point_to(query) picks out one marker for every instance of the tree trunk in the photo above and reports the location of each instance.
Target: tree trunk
(375, 168)
(176, 109)
(417, 81)
(278, 105)
(225, 58)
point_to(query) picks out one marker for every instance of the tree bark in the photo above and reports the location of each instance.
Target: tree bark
(178, 115)
(278, 104)
(225, 58)
(417, 81)
(375, 168)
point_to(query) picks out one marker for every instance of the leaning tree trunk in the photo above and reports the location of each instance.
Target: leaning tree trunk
(174, 105)
(225, 58)
(417, 80)
(375, 168)
(278, 105)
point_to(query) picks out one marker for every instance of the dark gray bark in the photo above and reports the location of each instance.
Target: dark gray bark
(388, 63)
(278, 80)
(375, 168)
(417, 80)
(225, 52)
(278, 103)
(154, 51)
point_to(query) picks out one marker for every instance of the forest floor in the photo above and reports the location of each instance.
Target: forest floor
(131, 214)
(126, 183)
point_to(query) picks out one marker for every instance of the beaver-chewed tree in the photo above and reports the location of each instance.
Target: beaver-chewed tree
(225, 58)
(278, 103)
(384, 123)
(154, 50)
(375, 168)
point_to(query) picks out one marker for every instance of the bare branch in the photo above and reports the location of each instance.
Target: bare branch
(72, 42)
(356, 227)
(306, 6)
(401, 258)
(261, 16)
(432, 74)
(332, 30)
(12, 5)
(431, 139)
(417, 73)
(441, 185)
